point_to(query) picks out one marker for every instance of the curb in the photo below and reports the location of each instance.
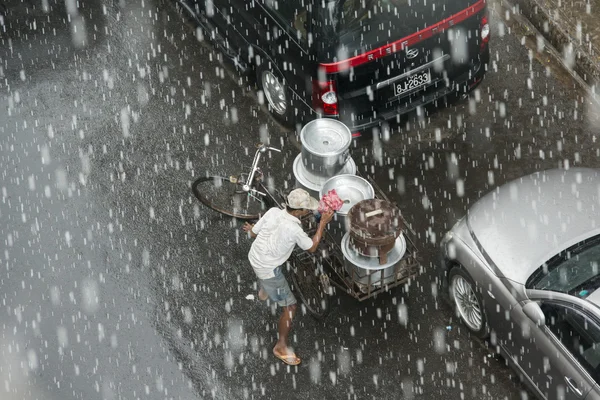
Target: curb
(587, 69)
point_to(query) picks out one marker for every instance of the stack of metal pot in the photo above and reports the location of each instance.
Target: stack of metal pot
(325, 153)
(374, 245)
(325, 164)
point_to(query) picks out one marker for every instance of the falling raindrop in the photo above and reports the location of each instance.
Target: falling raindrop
(315, 370)
(403, 314)
(78, 31)
(439, 340)
(125, 124)
(90, 296)
(61, 178)
(32, 359)
(460, 187)
(63, 336)
(55, 295)
(187, 315)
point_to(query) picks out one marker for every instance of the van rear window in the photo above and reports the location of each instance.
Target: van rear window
(364, 24)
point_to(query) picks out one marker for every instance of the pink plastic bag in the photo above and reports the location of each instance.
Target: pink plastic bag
(330, 201)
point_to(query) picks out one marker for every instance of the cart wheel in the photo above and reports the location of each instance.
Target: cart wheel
(312, 286)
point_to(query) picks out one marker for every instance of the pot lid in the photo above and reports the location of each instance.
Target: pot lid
(350, 188)
(375, 221)
(372, 263)
(325, 137)
(313, 181)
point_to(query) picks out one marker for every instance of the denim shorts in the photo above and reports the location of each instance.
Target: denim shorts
(278, 289)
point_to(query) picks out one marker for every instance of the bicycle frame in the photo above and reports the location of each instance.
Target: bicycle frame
(271, 197)
(247, 186)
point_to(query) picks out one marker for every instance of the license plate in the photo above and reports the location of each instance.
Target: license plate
(412, 82)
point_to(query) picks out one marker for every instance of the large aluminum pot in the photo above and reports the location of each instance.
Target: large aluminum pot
(367, 271)
(325, 146)
(352, 189)
(313, 183)
(374, 225)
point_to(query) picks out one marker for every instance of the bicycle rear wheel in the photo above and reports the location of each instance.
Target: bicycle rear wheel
(225, 195)
(311, 285)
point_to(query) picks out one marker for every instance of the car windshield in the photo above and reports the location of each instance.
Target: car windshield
(574, 271)
(365, 24)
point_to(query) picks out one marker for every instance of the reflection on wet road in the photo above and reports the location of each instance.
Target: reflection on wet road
(119, 284)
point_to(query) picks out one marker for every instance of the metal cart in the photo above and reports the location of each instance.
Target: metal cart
(315, 276)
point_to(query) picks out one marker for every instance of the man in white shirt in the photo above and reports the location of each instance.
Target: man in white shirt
(277, 233)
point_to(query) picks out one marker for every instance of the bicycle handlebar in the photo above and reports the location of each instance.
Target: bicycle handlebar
(261, 148)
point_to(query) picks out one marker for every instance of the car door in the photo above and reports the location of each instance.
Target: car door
(563, 292)
(561, 357)
(288, 24)
(575, 332)
(217, 20)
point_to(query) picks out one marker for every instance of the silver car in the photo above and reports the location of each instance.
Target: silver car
(522, 269)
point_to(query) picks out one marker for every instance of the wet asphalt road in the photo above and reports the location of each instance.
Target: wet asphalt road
(117, 284)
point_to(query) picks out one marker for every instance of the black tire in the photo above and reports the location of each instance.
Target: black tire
(225, 195)
(279, 107)
(478, 78)
(461, 285)
(308, 285)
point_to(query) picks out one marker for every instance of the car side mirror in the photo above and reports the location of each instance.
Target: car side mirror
(534, 313)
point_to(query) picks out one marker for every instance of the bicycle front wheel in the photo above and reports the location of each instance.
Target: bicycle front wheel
(311, 285)
(226, 196)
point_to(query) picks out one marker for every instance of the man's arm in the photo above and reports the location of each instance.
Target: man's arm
(254, 229)
(248, 229)
(325, 218)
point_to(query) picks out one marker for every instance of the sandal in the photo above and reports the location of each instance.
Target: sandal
(289, 359)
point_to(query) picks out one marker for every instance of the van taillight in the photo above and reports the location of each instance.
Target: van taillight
(325, 97)
(485, 31)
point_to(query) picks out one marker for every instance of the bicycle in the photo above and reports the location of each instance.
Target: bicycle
(314, 276)
(244, 196)
(240, 196)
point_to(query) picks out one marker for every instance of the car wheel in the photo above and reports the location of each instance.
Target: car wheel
(276, 97)
(478, 78)
(467, 302)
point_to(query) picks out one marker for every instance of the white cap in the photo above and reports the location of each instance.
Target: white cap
(300, 198)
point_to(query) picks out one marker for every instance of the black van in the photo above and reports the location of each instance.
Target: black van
(361, 61)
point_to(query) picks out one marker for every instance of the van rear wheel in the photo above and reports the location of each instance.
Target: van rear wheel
(276, 97)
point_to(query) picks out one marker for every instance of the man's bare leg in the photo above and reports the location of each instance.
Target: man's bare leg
(284, 328)
(262, 295)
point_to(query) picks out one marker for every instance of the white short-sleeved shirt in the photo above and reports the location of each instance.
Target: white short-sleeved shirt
(277, 234)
